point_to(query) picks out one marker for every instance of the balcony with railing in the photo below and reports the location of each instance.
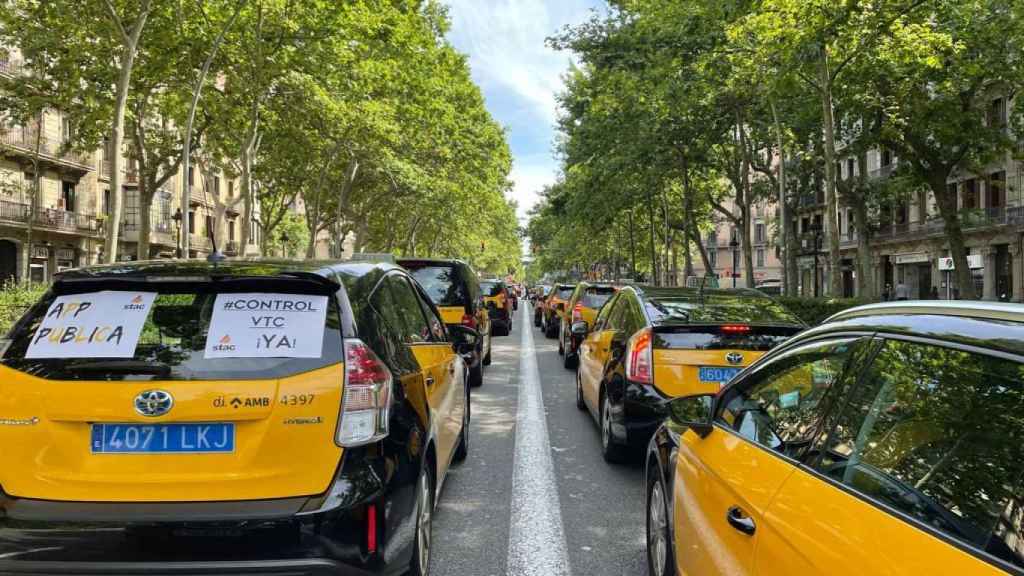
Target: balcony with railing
(11, 67)
(23, 140)
(50, 218)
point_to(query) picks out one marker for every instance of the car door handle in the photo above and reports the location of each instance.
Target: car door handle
(739, 520)
(430, 380)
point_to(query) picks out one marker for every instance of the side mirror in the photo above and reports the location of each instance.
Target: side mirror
(579, 328)
(464, 338)
(693, 412)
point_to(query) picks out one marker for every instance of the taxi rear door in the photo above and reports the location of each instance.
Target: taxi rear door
(438, 364)
(596, 349)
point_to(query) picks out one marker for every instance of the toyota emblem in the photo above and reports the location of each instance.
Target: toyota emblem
(154, 402)
(734, 358)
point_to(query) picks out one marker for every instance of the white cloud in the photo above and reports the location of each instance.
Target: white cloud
(520, 75)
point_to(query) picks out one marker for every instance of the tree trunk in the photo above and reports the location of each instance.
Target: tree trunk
(33, 202)
(828, 118)
(783, 225)
(248, 194)
(695, 236)
(632, 245)
(654, 255)
(954, 235)
(351, 171)
(110, 243)
(687, 219)
(145, 220)
(865, 273)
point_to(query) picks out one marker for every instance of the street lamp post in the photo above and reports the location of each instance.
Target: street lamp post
(734, 245)
(177, 232)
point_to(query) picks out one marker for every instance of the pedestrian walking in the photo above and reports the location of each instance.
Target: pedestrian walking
(887, 292)
(902, 291)
(934, 293)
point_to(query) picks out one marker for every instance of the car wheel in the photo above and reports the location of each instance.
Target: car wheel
(659, 556)
(570, 360)
(463, 449)
(536, 319)
(424, 520)
(487, 359)
(552, 330)
(579, 392)
(611, 451)
(561, 342)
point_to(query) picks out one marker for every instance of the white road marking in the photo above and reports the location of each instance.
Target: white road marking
(536, 540)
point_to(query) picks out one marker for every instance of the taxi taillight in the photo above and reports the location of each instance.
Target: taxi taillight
(639, 358)
(367, 396)
(469, 321)
(577, 313)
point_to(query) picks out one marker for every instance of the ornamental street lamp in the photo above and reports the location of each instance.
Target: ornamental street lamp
(734, 245)
(177, 232)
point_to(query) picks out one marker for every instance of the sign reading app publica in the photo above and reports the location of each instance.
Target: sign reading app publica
(266, 325)
(94, 325)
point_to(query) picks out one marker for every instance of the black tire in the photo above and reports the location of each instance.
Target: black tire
(462, 451)
(487, 359)
(579, 392)
(536, 319)
(611, 451)
(561, 343)
(552, 330)
(420, 564)
(660, 560)
(570, 361)
(476, 376)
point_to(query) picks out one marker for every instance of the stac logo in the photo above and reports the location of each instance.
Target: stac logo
(734, 358)
(136, 304)
(224, 345)
(154, 403)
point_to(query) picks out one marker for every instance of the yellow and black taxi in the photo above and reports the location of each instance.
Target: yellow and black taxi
(885, 441)
(539, 297)
(499, 306)
(584, 304)
(555, 309)
(237, 417)
(454, 288)
(649, 345)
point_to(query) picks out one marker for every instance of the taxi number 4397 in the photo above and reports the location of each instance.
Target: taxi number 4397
(297, 399)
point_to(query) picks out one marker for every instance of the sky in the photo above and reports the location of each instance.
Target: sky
(520, 76)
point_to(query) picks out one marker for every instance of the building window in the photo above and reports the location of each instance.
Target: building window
(191, 221)
(759, 233)
(849, 167)
(106, 202)
(216, 185)
(253, 228)
(886, 157)
(997, 113)
(67, 196)
(67, 129)
(997, 190)
(759, 255)
(231, 188)
(713, 238)
(231, 230)
(970, 194)
(713, 258)
(191, 176)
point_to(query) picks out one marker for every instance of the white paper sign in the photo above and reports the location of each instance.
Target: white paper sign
(266, 325)
(94, 325)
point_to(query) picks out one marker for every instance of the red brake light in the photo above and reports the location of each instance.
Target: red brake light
(639, 362)
(577, 312)
(367, 396)
(371, 528)
(469, 321)
(735, 328)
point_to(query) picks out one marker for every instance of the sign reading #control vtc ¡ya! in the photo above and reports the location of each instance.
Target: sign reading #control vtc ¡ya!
(265, 325)
(94, 325)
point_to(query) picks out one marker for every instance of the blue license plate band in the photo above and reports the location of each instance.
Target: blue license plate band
(198, 438)
(717, 374)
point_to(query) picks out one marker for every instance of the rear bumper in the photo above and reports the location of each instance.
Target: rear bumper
(644, 411)
(322, 534)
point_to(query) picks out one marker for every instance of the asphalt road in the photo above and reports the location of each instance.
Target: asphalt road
(535, 496)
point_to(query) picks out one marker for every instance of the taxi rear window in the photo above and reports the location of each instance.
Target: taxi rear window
(441, 283)
(565, 293)
(715, 308)
(595, 298)
(491, 288)
(253, 340)
(757, 338)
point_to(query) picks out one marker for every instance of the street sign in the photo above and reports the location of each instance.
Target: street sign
(974, 262)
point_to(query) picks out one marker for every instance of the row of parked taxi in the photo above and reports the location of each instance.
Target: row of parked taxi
(239, 417)
(883, 441)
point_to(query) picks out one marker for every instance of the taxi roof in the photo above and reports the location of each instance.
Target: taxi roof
(248, 267)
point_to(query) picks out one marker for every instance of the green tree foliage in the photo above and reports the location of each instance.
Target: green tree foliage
(360, 113)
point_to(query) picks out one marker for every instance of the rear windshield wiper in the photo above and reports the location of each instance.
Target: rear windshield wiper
(123, 367)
